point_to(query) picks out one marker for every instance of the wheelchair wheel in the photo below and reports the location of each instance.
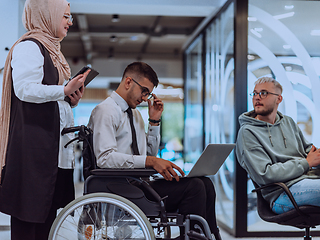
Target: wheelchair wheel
(101, 216)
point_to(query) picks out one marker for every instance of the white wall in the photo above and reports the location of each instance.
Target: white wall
(11, 27)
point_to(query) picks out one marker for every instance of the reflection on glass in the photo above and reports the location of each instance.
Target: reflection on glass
(193, 144)
(219, 105)
(279, 48)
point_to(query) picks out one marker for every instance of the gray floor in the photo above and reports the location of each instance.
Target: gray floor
(5, 223)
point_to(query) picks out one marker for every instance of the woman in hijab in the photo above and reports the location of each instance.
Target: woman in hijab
(36, 171)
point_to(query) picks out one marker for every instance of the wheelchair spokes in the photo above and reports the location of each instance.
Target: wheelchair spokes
(100, 219)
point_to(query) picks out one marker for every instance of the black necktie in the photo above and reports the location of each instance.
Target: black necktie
(134, 145)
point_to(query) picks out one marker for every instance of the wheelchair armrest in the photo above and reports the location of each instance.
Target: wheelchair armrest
(137, 172)
(285, 189)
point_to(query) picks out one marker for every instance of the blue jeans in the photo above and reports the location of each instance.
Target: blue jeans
(305, 192)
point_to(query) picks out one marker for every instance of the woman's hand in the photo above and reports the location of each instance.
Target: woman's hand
(76, 83)
(76, 96)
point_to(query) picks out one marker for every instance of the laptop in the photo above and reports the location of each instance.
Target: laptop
(211, 160)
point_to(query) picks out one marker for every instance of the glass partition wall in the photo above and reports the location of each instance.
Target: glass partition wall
(218, 104)
(248, 39)
(283, 43)
(193, 130)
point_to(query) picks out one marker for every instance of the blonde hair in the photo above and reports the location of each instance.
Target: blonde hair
(267, 80)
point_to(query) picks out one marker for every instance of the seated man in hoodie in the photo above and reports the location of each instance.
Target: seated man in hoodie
(271, 148)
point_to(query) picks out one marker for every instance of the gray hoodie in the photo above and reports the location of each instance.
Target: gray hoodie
(273, 152)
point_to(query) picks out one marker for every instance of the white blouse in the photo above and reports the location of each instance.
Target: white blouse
(27, 74)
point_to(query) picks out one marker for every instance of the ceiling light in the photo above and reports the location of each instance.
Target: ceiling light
(252, 19)
(288, 68)
(286, 46)
(315, 32)
(258, 29)
(254, 32)
(288, 7)
(215, 107)
(250, 57)
(115, 18)
(113, 38)
(285, 15)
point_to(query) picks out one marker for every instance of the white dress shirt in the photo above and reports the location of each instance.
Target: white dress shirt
(112, 135)
(27, 75)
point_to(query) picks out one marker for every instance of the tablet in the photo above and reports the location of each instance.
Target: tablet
(92, 74)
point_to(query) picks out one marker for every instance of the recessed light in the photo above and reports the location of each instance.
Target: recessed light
(258, 29)
(250, 57)
(254, 32)
(215, 107)
(288, 7)
(113, 38)
(252, 19)
(288, 68)
(286, 46)
(285, 15)
(115, 18)
(315, 32)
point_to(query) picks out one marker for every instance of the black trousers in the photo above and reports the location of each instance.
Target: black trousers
(189, 196)
(32, 231)
(63, 194)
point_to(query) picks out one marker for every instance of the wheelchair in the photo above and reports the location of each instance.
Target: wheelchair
(114, 205)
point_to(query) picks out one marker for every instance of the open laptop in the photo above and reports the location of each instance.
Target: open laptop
(211, 160)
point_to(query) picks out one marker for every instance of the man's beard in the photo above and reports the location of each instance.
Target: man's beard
(264, 112)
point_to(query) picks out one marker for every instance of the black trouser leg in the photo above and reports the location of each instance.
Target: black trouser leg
(189, 196)
(32, 231)
(211, 204)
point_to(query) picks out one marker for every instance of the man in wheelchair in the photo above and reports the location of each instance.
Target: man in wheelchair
(120, 141)
(271, 148)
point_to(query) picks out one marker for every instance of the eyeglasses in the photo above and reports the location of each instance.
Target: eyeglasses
(262, 94)
(69, 17)
(144, 90)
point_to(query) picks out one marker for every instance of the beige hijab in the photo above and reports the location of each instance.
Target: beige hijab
(42, 19)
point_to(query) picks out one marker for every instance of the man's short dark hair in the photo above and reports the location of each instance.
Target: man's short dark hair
(142, 69)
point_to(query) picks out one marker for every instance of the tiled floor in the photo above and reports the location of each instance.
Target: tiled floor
(5, 232)
(5, 222)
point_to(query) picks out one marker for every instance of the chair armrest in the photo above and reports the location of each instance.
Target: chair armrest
(286, 190)
(137, 172)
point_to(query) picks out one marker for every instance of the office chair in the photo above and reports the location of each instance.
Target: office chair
(303, 217)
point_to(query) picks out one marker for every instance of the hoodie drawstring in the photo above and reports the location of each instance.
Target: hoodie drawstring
(284, 138)
(269, 135)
